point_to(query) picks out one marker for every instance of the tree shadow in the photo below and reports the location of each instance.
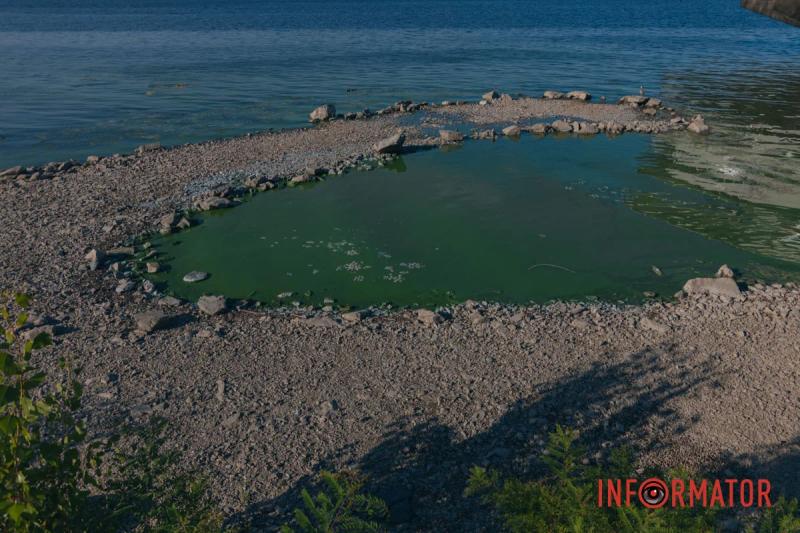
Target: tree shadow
(420, 469)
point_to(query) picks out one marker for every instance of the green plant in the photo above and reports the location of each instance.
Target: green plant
(44, 477)
(341, 507)
(783, 517)
(566, 499)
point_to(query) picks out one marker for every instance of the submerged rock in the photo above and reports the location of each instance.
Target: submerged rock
(713, 286)
(390, 145)
(698, 125)
(451, 136)
(323, 112)
(212, 305)
(195, 276)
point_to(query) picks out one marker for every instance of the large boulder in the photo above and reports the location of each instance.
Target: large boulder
(451, 136)
(633, 99)
(390, 145)
(579, 95)
(553, 95)
(151, 321)
(713, 286)
(212, 305)
(323, 112)
(561, 126)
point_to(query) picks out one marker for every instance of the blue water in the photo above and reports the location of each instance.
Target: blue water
(89, 77)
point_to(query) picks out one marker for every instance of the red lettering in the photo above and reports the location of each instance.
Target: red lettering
(614, 493)
(764, 488)
(716, 495)
(630, 491)
(678, 487)
(698, 493)
(731, 484)
(746, 493)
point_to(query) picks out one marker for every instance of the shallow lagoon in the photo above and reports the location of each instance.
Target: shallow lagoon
(514, 221)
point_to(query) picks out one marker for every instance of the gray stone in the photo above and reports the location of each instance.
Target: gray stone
(390, 145)
(212, 305)
(553, 95)
(95, 258)
(323, 112)
(151, 321)
(698, 125)
(713, 286)
(579, 95)
(511, 131)
(561, 126)
(426, 316)
(451, 136)
(725, 272)
(195, 276)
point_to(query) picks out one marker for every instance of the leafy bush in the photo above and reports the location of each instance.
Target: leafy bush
(566, 499)
(342, 507)
(51, 479)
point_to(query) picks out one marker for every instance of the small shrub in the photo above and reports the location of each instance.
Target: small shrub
(340, 507)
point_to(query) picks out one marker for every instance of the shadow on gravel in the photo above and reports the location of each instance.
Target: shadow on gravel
(421, 470)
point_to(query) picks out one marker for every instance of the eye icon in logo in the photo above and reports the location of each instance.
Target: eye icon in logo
(653, 493)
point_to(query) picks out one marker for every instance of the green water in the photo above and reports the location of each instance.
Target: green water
(513, 221)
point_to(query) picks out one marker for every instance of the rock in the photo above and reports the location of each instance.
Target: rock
(195, 276)
(653, 102)
(615, 128)
(539, 129)
(725, 272)
(92, 159)
(302, 178)
(323, 112)
(220, 394)
(698, 126)
(390, 145)
(122, 251)
(148, 286)
(652, 325)
(511, 131)
(426, 316)
(212, 305)
(124, 285)
(95, 258)
(322, 322)
(579, 95)
(152, 268)
(491, 95)
(11, 172)
(484, 134)
(183, 223)
(587, 128)
(168, 220)
(353, 316)
(151, 321)
(561, 126)
(150, 147)
(451, 136)
(553, 95)
(634, 99)
(214, 202)
(169, 301)
(650, 111)
(713, 286)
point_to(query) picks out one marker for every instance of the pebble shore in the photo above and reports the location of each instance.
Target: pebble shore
(260, 399)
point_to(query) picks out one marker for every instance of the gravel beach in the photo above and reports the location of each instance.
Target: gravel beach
(261, 400)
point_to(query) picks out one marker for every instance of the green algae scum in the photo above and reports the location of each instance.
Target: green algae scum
(520, 221)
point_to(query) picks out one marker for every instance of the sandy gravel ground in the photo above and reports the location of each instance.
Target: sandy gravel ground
(261, 401)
